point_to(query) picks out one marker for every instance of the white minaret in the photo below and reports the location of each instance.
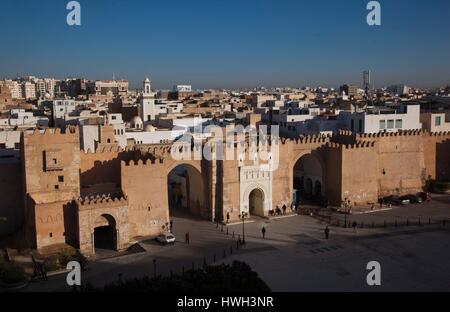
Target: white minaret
(147, 86)
(147, 103)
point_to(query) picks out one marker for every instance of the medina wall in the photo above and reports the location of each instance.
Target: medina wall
(359, 173)
(437, 155)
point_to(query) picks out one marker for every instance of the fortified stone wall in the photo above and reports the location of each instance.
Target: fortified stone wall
(359, 172)
(51, 163)
(437, 155)
(95, 211)
(103, 166)
(360, 168)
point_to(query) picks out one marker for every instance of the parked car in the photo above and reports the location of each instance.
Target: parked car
(165, 239)
(425, 196)
(392, 200)
(414, 199)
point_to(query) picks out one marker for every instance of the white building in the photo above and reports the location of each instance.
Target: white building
(9, 145)
(382, 119)
(116, 121)
(21, 119)
(153, 136)
(61, 108)
(150, 108)
(435, 122)
(182, 88)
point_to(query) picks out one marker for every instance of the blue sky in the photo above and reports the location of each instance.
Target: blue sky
(229, 43)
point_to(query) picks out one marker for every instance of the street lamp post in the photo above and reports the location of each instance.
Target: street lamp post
(345, 213)
(243, 215)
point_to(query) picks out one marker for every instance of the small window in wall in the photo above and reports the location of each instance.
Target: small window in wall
(60, 178)
(437, 121)
(390, 124)
(56, 187)
(382, 124)
(51, 234)
(399, 124)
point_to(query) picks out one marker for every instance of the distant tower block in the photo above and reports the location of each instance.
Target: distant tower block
(367, 83)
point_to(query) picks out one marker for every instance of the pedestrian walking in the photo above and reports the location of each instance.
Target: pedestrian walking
(263, 232)
(354, 225)
(327, 232)
(171, 226)
(228, 217)
(187, 238)
(284, 209)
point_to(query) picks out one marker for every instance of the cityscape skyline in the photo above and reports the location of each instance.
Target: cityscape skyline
(274, 46)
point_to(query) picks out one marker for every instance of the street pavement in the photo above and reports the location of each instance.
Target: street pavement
(294, 256)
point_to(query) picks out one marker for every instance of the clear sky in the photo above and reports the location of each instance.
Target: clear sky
(229, 43)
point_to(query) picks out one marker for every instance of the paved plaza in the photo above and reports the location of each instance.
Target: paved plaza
(295, 256)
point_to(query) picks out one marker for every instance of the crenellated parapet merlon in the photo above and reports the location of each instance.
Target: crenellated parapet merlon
(109, 149)
(391, 134)
(345, 133)
(357, 145)
(143, 162)
(70, 130)
(440, 134)
(360, 145)
(105, 200)
(308, 139)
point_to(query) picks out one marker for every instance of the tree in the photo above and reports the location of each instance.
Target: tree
(237, 277)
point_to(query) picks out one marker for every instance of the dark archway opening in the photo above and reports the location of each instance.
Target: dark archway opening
(105, 234)
(186, 194)
(307, 181)
(104, 238)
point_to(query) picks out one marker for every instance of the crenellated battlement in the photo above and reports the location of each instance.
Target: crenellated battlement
(105, 200)
(357, 145)
(143, 162)
(308, 139)
(390, 134)
(345, 133)
(441, 133)
(70, 130)
(360, 144)
(109, 149)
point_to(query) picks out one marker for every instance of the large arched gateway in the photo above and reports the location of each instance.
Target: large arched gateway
(256, 202)
(186, 195)
(105, 233)
(308, 176)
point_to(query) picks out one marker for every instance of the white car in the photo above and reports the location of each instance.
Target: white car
(167, 238)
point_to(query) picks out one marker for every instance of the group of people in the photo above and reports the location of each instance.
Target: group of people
(278, 212)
